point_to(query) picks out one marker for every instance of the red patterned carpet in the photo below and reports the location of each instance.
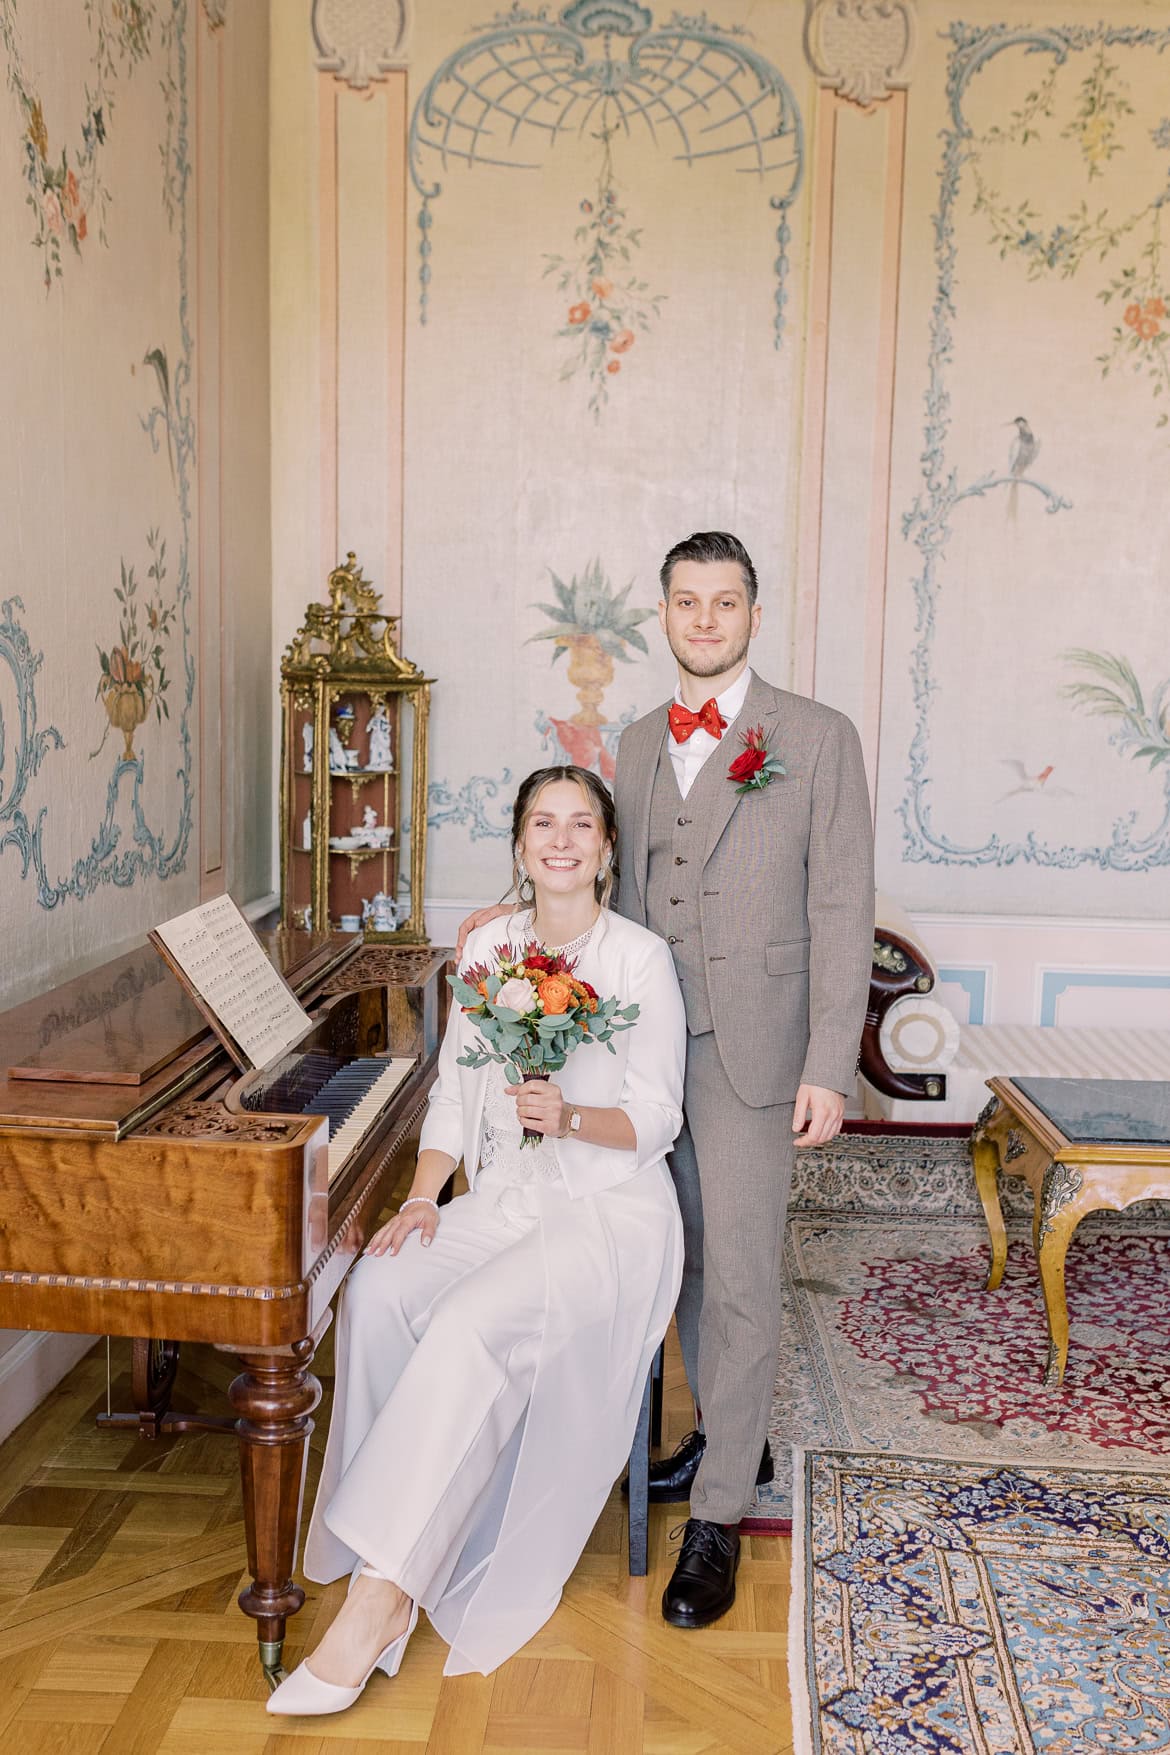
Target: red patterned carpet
(892, 1344)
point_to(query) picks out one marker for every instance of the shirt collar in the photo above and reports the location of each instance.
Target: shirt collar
(730, 702)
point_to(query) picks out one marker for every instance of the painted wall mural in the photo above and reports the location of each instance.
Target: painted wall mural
(67, 192)
(601, 72)
(150, 664)
(1069, 102)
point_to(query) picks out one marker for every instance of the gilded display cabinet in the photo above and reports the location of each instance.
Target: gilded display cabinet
(353, 754)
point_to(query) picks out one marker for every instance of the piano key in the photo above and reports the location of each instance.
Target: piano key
(344, 1141)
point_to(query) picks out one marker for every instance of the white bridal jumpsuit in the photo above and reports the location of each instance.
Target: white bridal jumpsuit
(488, 1386)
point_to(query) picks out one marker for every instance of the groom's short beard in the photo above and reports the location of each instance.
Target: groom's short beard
(713, 666)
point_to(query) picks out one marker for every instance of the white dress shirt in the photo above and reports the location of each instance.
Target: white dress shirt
(689, 757)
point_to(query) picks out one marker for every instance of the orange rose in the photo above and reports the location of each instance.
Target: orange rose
(1133, 315)
(133, 670)
(1155, 307)
(622, 342)
(601, 288)
(556, 995)
(614, 366)
(580, 313)
(1148, 328)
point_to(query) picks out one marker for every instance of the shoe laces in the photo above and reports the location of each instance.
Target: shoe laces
(686, 1443)
(703, 1540)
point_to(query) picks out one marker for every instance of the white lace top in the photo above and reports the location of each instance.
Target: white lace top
(502, 1158)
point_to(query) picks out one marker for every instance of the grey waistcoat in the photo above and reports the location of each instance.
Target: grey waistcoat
(674, 874)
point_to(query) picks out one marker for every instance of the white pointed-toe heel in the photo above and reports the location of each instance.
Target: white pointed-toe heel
(304, 1695)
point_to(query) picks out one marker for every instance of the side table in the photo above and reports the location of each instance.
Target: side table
(1080, 1145)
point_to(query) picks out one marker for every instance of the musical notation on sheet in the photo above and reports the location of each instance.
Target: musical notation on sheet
(217, 951)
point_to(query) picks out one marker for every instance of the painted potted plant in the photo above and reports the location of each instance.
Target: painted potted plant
(133, 676)
(594, 625)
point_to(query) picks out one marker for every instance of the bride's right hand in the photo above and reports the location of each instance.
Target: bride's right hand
(393, 1234)
(481, 917)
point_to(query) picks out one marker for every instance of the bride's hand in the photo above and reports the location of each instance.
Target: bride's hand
(481, 917)
(540, 1105)
(393, 1234)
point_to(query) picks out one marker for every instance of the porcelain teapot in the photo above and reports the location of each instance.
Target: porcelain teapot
(379, 913)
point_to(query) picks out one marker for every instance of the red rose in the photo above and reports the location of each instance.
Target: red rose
(537, 961)
(747, 766)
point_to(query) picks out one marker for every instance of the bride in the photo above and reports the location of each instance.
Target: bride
(491, 1354)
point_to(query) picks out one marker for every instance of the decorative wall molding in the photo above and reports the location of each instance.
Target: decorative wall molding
(862, 49)
(360, 41)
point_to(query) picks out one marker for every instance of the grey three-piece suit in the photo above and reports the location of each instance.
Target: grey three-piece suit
(766, 900)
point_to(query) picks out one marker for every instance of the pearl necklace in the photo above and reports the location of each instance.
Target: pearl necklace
(574, 946)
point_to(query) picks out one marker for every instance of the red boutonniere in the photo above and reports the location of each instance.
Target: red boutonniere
(754, 768)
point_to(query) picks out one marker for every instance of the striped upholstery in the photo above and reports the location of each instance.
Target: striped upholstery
(1008, 1050)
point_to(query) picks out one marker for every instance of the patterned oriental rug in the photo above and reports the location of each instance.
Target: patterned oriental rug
(978, 1608)
(891, 1344)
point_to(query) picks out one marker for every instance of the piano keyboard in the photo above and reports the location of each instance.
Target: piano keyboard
(351, 1101)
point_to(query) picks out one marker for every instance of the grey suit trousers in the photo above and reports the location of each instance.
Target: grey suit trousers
(732, 1169)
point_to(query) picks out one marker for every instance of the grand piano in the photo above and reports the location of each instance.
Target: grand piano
(147, 1189)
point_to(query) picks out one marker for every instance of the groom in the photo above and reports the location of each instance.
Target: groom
(765, 897)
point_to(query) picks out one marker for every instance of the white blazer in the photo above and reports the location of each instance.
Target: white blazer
(643, 1077)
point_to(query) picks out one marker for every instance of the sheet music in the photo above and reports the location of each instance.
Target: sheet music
(217, 951)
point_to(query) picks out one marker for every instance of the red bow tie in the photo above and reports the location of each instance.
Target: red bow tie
(683, 721)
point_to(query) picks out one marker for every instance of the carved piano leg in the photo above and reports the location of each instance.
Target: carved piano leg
(274, 1398)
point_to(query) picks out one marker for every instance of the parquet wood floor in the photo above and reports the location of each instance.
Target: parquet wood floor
(120, 1561)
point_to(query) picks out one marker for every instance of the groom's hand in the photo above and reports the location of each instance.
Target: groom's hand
(824, 1111)
(481, 917)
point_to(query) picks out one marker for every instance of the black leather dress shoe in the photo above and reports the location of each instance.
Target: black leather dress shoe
(702, 1586)
(672, 1477)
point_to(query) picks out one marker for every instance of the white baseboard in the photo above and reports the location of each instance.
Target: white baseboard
(32, 1366)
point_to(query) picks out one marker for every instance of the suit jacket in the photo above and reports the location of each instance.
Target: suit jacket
(643, 1075)
(786, 899)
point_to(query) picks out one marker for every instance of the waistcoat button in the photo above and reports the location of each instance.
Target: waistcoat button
(675, 900)
(683, 821)
(679, 860)
(671, 940)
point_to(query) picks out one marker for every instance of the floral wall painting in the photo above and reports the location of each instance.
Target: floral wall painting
(62, 159)
(133, 678)
(144, 686)
(604, 74)
(1083, 97)
(1046, 168)
(1111, 690)
(595, 626)
(609, 301)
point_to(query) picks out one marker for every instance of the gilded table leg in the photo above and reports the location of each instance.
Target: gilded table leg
(985, 1158)
(274, 1398)
(1057, 1217)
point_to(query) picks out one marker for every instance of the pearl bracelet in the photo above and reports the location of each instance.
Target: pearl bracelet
(419, 1200)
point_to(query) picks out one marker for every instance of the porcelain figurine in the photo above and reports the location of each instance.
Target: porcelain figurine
(378, 731)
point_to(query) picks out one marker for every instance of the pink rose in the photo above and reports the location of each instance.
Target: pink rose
(51, 208)
(517, 994)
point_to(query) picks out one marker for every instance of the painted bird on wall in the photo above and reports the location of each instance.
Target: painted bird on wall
(1021, 457)
(1029, 782)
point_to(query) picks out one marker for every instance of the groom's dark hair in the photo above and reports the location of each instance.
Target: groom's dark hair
(710, 545)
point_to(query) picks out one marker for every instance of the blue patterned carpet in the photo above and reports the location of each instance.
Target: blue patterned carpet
(979, 1609)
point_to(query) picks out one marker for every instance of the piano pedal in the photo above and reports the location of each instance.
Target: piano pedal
(154, 1365)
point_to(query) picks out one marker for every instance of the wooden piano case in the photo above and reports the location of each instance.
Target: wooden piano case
(138, 1199)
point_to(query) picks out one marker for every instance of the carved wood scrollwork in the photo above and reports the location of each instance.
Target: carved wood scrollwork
(384, 964)
(207, 1119)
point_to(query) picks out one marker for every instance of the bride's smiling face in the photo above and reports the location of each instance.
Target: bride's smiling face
(564, 844)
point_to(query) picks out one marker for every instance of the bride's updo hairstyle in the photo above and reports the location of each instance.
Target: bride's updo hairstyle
(601, 809)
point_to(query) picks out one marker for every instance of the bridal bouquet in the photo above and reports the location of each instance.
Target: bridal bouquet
(532, 1011)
